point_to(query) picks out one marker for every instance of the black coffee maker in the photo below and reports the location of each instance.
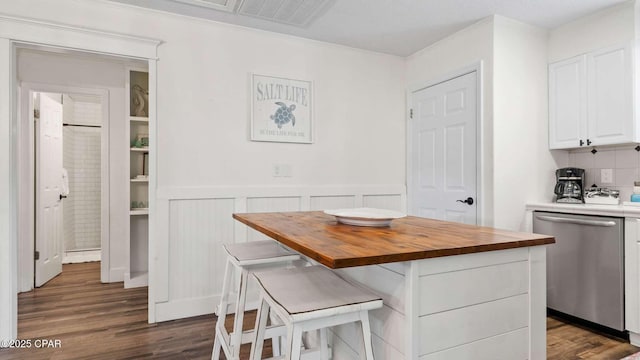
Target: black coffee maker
(570, 185)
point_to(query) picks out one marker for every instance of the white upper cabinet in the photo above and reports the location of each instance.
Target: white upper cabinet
(590, 100)
(568, 103)
(610, 112)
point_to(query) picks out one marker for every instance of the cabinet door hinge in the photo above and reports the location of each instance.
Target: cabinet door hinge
(411, 113)
(36, 114)
(36, 255)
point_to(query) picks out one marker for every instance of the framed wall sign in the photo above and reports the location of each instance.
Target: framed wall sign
(281, 109)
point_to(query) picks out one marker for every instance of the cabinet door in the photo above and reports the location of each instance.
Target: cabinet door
(610, 115)
(567, 103)
(631, 274)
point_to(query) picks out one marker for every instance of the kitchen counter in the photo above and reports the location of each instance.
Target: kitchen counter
(320, 237)
(621, 210)
(450, 290)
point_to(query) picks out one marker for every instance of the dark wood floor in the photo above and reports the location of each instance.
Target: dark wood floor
(568, 341)
(105, 321)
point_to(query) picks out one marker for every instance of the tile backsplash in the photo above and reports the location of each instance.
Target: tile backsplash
(623, 160)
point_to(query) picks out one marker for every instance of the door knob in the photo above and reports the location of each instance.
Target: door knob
(63, 196)
(468, 201)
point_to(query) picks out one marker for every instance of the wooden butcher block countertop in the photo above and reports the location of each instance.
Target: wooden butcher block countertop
(320, 237)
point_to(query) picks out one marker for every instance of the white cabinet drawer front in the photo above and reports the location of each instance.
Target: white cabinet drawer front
(636, 224)
(468, 261)
(509, 346)
(463, 326)
(456, 289)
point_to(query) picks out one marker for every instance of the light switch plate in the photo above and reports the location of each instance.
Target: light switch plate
(281, 170)
(606, 176)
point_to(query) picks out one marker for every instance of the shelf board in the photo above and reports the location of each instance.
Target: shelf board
(140, 180)
(134, 212)
(146, 149)
(138, 119)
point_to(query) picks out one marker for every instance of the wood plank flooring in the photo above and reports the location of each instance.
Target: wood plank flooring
(105, 321)
(566, 341)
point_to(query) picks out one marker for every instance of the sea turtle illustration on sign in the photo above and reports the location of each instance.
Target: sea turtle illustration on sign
(284, 114)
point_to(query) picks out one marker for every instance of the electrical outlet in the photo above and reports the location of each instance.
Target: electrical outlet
(281, 170)
(606, 176)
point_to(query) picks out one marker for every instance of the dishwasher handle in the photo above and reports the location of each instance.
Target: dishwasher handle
(557, 219)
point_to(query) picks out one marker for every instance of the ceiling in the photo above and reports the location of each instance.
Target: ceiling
(398, 27)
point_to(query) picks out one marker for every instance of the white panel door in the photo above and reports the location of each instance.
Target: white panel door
(48, 190)
(568, 103)
(442, 145)
(610, 86)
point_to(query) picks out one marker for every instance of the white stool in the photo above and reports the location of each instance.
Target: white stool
(244, 258)
(311, 298)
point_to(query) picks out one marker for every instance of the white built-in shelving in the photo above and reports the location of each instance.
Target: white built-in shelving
(136, 274)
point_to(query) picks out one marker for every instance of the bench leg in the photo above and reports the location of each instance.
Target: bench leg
(324, 345)
(222, 310)
(259, 330)
(236, 337)
(366, 334)
(294, 342)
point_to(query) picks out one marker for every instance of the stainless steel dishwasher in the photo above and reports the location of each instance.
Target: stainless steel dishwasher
(585, 267)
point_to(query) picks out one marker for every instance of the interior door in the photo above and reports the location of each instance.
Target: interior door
(442, 144)
(48, 190)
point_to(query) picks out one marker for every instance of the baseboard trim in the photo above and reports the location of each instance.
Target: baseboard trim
(74, 257)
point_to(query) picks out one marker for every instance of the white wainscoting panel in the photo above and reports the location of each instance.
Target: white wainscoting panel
(472, 286)
(462, 326)
(387, 201)
(332, 202)
(198, 229)
(194, 222)
(512, 346)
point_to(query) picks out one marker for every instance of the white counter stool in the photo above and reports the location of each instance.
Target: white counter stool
(311, 298)
(244, 258)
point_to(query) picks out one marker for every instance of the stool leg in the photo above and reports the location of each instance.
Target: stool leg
(222, 310)
(261, 325)
(224, 296)
(324, 344)
(294, 341)
(275, 346)
(366, 335)
(236, 337)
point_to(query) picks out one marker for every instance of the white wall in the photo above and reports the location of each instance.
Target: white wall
(611, 26)
(203, 104)
(89, 72)
(523, 165)
(204, 155)
(8, 298)
(516, 164)
(446, 57)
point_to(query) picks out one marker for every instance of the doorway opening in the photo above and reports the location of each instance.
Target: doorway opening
(443, 149)
(90, 89)
(68, 171)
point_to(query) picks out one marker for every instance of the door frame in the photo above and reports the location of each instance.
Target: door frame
(477, 67)
(26, 175)
(15, 30)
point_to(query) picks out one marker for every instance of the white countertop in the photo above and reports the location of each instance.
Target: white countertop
(622, 210)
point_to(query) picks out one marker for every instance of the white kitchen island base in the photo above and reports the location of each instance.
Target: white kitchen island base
(488, 305)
